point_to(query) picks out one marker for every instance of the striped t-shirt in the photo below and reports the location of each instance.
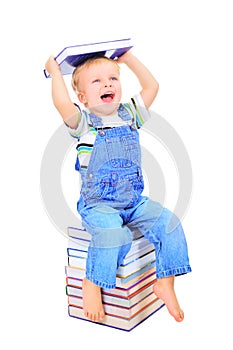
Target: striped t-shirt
(86, 133)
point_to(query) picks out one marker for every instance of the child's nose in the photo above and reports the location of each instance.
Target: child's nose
(108, 83)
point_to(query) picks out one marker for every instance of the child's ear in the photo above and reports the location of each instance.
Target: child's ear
(82, 97)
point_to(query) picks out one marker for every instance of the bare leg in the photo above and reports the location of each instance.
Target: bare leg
(92, 301)
(164, 289)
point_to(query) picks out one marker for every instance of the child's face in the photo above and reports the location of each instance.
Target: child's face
(100, 88)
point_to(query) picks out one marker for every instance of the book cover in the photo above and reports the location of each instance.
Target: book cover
(71, 56)
(119, 322)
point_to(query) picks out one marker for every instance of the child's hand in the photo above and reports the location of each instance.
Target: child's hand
(52, 66)
(125, 57)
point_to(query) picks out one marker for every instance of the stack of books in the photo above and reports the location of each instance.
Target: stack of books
(133, 299)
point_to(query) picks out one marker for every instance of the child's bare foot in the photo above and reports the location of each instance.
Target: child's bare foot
(92, 301)
(164, 289)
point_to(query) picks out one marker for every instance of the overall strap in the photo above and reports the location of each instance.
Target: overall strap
(96, 122)
(125, 115)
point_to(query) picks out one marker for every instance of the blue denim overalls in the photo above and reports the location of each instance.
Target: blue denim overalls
(112, 207)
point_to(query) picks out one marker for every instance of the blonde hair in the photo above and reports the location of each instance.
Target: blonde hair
(86, 64)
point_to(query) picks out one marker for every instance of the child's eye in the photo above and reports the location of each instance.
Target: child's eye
(96, 81)
(113, 78)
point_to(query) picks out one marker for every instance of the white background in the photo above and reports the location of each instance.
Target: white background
(188, 47)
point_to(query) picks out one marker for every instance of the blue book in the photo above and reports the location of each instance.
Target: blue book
(72, 56)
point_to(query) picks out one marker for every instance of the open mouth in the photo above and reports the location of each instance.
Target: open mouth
(108, 97)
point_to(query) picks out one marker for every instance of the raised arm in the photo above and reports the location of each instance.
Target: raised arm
(60, 95)
(147, 81)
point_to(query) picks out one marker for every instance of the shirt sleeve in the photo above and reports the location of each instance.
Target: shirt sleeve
(140, 114)
(82, 127)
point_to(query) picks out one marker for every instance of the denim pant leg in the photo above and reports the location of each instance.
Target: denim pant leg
(109, 245)
(161, 227)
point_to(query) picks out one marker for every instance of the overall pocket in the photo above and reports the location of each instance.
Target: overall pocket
(94, 189)
(124, 151)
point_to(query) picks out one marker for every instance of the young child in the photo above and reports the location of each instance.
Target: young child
(111, 204)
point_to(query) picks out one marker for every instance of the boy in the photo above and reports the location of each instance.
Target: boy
(109, 161)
